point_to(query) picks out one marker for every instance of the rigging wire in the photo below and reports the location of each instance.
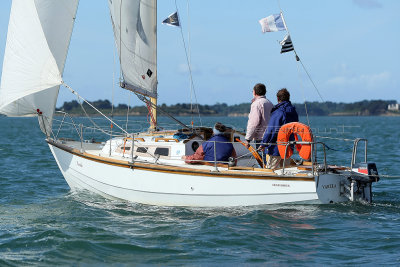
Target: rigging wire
(127, 112)
(90, 119)
(120, 41)
(309, 76)
(190, 70)
(335, 138)
(189, 52)
(145, 100)
(304, 97)
(298, 70)
(349, 148)
(389, 176)
(297, 57)
(97, 110)
(312, 81)
(112, 99)
(279, 5)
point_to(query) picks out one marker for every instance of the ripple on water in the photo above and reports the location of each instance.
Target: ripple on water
(43, 223)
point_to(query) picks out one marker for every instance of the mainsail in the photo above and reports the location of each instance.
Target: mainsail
(134, 24)
(39, 33)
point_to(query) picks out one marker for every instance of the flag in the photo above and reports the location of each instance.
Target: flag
(172, 20)
(272, 23)
(287, 44)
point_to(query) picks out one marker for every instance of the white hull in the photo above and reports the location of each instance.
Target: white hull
(177, 186)
(171, 189)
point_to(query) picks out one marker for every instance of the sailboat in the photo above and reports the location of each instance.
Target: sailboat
(147, 167)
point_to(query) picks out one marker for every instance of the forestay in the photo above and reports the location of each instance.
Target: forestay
(134, 25)
(38, 37)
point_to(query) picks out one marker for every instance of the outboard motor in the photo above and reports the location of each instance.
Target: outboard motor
(361, 178)
(367, 168)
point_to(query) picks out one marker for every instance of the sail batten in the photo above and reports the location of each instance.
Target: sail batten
(38, 37)
(134, 25)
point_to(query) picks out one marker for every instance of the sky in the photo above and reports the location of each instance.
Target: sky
(349, 48)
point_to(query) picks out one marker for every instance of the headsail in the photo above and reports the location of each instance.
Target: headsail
(134, 25)
(38, 37)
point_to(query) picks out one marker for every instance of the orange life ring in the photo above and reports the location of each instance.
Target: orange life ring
(295, 128)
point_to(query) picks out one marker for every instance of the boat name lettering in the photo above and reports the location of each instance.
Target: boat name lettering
(329, 186)
(281, 185)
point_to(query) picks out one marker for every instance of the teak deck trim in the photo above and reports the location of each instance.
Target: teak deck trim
(177, 169)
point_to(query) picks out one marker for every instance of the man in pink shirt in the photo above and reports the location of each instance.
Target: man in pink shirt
(259, 115)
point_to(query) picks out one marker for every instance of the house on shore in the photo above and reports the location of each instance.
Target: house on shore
(393, 107)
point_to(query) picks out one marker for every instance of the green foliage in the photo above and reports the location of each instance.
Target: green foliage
(365, 107)
(68, 106)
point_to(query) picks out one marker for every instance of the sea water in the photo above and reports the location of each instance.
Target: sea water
(43, 223)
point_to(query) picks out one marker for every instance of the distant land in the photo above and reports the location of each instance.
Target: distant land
(361, 108)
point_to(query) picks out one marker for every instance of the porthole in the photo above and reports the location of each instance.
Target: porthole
(162, 151)
(195, 146)
(141, 149)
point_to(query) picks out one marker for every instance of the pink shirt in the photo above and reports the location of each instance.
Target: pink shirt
(259, 115)
(198, 155)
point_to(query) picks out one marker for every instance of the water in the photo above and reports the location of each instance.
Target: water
(43, 223)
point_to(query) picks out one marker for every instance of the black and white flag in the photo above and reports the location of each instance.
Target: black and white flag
(172, 20)
(286, 44)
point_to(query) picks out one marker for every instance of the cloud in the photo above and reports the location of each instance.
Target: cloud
(224, 71)
(366, 80)
(184, 68)
(367, 4)
(221, 71)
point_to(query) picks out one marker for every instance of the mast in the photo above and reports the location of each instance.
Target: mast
(153, 124)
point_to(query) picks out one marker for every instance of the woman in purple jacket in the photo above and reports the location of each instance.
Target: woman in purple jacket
(218, 142)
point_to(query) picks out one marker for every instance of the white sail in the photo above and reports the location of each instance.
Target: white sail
(39, 33)
(137, 45)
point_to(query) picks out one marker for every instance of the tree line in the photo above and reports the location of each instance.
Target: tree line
(363, 108)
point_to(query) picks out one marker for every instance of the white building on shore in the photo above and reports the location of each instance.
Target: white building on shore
(393, 107)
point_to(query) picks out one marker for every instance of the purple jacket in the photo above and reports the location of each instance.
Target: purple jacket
(258, 117)
(281, 114)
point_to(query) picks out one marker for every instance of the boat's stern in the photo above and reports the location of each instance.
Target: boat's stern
(344, 184)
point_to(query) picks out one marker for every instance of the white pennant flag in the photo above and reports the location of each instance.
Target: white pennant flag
(272, 23)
